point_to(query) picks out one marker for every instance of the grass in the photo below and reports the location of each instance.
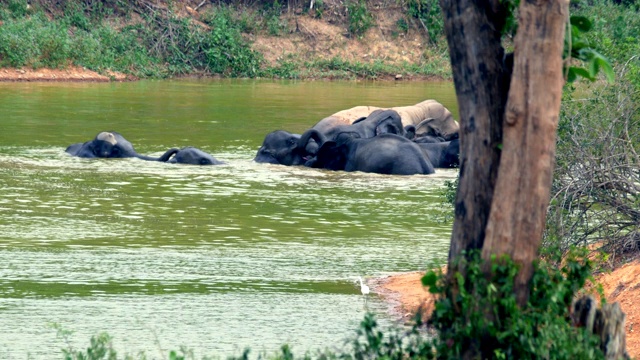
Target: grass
(160, 44)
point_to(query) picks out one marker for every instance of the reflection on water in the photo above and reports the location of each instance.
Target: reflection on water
(212, 258)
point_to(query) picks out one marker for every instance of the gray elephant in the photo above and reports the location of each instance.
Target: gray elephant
(284, 148)
(110, 144)
(384, 154)
(443, 154)
(192, 156)
(378, 122)
(435, 118)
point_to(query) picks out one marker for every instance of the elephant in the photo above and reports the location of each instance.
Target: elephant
(193, 156)
(343, 117)
(437, 119)
(281, 147)
(284, 148)
(384, 154)
(424, 138)
(443, 154)
(441, 120)
(378, 122)
(428, 131)
(110, 144)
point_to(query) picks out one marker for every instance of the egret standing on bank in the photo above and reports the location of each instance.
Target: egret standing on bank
(364, 289)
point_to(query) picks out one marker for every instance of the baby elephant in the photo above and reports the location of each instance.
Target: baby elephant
(193, 156)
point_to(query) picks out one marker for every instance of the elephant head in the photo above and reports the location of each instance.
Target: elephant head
(387, 122)
(284, 148)
(110, 144)
(193, 156)
(333, 154)
(431, 128)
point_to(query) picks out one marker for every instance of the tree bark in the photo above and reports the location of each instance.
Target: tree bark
(473, 29)
(517, 217)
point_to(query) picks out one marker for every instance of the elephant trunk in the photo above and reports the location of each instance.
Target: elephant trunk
(304, 144)
(163, 158)
(423, 123)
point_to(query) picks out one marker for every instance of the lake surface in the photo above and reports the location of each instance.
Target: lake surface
(215, 259)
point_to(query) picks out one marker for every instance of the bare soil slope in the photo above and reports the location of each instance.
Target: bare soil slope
(306, 38)
(405, 295)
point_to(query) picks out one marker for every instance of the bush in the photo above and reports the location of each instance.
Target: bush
(34, 42)
(596, 191)
(360, 19)
(481, 312)
(430, 14)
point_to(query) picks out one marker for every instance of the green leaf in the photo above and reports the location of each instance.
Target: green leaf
(430, 279)
(602, 63)
(607, 70)
(594, 67)
(575, 72)
(582, 23)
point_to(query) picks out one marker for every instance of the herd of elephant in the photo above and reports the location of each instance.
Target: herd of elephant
(397, 141)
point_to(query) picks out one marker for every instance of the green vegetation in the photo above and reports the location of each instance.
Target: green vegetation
(161, 45)
(539, 330)
(360, 19)
(595, 194)
(157, 42)
(428, 12)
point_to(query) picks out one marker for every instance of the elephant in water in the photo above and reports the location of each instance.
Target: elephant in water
(443, 154)
(378, 122)
(284, 148)
(432, 116)
(110, 144)
(193, 156)
(384, 154)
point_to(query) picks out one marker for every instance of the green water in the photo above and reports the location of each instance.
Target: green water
(215, 259)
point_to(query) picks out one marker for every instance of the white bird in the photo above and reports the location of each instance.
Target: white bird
(364, 289)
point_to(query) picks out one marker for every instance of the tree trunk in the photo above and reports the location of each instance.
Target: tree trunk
(482, 82)
(517, 217)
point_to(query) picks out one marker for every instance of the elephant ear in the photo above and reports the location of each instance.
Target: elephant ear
(410, 132)
(389, 123)
(332, 156)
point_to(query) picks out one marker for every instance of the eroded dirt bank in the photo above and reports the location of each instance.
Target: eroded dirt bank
(70, 74)
(404, 293)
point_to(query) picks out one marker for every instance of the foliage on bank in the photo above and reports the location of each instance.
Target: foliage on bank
(596, 188)
(153, 41)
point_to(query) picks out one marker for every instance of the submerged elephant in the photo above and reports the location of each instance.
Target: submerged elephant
(383, 154)
(443, 154)
(439, 119)
(192, 156)
(110, 144)
(284, 148)
(430, 118)
(378, 122)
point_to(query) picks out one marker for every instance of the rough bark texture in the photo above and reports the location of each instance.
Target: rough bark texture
(481, 81)
(518, 211)
(607, 323)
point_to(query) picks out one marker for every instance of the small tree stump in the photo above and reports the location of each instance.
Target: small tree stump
(607, 323)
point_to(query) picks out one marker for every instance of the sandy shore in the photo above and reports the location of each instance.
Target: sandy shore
(73, 74)
(405, 294)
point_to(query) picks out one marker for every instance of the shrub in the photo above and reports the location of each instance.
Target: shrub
(540, 330)
(360, 19)
(430, 14)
